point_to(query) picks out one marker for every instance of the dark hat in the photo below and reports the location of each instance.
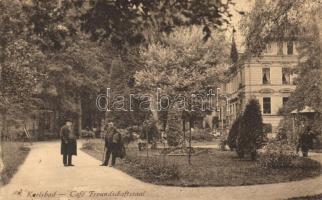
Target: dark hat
(68, 120)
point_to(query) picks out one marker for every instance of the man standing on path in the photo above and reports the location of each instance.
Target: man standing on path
(305, 142)
(112, 143)
(68, 143)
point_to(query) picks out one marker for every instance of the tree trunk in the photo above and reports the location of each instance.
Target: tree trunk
(174, 128)
(1, 136)
(253, 155)
(115, 63)
(154, 110)
(155, 116)
(80, 114)
(147, 144)
(190, 148)
(2, 60)
(184, 146)
(318, 18)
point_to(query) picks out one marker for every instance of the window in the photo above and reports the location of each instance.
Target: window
(266, 76)
(268, 48)
(267, 105)
(280, 48)
(241, 79)
(286, 76)
(285, 99)
(290, 48)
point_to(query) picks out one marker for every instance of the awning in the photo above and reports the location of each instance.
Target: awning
(307, 109)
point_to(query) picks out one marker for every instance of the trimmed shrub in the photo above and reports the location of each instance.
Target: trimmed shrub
(251, 136)
(277, 160)
(278, 154)
(233, 133)
(306, 163)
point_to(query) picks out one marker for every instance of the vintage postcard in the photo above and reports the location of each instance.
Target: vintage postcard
(160, 99)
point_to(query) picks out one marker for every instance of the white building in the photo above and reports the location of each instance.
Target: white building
(269, 78)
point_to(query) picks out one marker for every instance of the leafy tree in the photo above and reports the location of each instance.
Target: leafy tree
(309, 83)
(251, 136)
(18, 67)
(129, 22)
(120, 73)
(81, 71)
(66, 64)
(76, 68)
(272, 20)
(308, 91)
(180, 64)
(182, 61)
(18, 58)
(123, 23)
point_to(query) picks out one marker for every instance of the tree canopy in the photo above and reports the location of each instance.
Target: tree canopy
(64, 62)
(182, 62)
(276, 20)
(129, 22)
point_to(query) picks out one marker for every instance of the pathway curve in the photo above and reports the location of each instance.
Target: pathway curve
(42, 176)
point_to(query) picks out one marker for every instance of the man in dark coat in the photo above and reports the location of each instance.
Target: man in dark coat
(112, 144)
(68, 143)
(305, 142)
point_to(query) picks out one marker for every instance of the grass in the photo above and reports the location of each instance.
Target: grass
(14, 154)
(214, 168)
(314, 197)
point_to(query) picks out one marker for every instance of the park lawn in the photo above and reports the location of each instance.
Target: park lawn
(313, 197)
(215, 168)
(14, 154)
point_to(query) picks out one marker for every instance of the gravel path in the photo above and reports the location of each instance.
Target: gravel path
(42, 176)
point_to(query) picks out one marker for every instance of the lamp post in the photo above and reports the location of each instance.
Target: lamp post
(219, 109)
(217, 101)
(222, 109)
(227, 110)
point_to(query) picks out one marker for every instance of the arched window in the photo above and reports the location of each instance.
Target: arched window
(290, 47)
(280, 48)
(286, 76)
(266, 76)
(267, 105)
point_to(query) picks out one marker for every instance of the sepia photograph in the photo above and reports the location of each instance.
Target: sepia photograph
(160, 99)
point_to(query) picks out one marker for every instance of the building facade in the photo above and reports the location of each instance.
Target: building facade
(268, 78)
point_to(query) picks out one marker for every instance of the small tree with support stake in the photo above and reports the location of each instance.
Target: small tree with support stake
(179, 65)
